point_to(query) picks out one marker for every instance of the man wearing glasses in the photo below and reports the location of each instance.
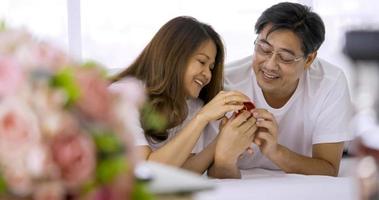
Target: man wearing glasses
(303, 103)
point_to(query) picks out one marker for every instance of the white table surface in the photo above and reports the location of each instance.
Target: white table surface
(287, 186)
(258, 184)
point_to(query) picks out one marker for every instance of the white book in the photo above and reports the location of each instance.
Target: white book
(167, 179)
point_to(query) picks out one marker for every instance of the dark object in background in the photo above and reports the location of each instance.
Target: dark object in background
(362, 45)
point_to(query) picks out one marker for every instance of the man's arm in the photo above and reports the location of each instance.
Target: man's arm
(325, 157)
(325, 160)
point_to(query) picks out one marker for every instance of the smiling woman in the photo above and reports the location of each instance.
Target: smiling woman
(199, 71)
(182, 68)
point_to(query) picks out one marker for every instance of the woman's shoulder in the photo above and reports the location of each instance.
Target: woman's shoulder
(194, 105)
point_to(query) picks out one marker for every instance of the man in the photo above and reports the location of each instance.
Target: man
(303, 103)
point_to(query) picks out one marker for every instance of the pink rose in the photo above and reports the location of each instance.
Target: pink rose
(37, 161)
(94, 100)
(49, 191)
(10, 39)
(49, 105)
(119, 189)
(122, 186)
(43, 55)
(74, 154)
(18, 181)
(11, 76)
(34, 55)
(18, 128)
(33, 164)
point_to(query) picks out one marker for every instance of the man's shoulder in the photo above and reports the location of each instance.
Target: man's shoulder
(321, 69)
(324, 77)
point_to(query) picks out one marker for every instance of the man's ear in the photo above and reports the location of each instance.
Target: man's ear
(310, 58)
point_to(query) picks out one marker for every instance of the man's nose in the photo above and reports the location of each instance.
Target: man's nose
(272, 62)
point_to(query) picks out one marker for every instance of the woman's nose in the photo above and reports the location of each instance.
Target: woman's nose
(207, 73)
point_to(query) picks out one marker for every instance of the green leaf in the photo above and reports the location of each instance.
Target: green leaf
(89, 187)
(3, 185)
(65, 80)
(107, 142)
(95, 65)
(152, 120)
(108, 169)
(3, 25)
(141, 192)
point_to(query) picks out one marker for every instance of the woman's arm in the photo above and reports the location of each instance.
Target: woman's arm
(201, 161)
(235, 138)
(176, 151)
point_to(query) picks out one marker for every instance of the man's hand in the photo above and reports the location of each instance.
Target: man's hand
(267, 135)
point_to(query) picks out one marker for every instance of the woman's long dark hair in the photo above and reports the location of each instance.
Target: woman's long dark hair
(162, 65)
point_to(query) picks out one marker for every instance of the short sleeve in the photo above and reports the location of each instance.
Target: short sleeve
(199, 145)
(335, 114)
(210, 132)
(133, 126)
(131, 116)
(194, 106)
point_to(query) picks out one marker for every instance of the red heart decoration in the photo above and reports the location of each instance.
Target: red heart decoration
(247, 106)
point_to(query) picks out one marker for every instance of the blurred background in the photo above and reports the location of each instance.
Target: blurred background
(114, 32)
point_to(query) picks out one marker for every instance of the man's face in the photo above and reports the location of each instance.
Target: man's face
(278, 61)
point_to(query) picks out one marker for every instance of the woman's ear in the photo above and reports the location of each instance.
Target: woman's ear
(310, 58)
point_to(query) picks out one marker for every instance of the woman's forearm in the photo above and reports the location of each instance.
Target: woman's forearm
(222, 170)
(176, 151)
(200, 162)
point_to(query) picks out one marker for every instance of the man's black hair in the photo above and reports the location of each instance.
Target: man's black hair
(307, 25)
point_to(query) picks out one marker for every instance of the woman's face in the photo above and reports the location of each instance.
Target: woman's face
(199, 70)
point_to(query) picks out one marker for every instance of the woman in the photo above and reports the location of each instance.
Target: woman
(182, 68)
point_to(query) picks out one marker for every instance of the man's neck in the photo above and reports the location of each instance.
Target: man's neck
(278, 100)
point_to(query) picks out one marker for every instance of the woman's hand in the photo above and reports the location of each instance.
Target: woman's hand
(223, 102)
(236, 136)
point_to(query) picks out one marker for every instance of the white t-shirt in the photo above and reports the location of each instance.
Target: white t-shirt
(319, 111)
(194, 105)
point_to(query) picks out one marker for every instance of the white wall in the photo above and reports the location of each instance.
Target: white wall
(115, 31)
(118, 36)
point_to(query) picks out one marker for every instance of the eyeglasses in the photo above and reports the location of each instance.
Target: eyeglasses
(265, 50)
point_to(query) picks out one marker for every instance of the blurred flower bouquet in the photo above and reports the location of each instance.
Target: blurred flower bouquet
(62, 134)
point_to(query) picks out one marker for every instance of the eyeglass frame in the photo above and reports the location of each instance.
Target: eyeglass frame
(269, 55)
